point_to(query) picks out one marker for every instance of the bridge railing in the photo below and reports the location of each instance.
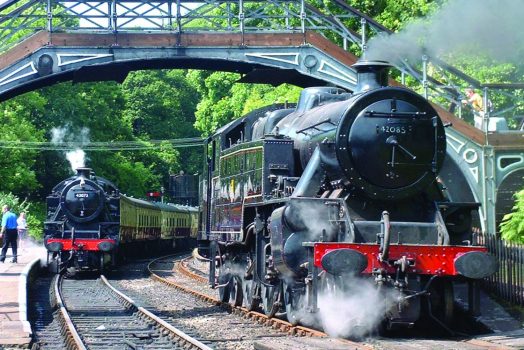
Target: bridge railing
(343, 25)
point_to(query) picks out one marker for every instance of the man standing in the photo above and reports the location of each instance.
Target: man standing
(477, 103)
(9, 232)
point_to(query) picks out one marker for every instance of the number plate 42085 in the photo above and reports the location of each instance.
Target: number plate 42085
(394, 129)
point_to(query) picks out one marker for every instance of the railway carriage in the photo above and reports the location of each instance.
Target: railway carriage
(90, 224)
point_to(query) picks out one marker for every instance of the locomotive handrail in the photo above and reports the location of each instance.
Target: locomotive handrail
(385, 236)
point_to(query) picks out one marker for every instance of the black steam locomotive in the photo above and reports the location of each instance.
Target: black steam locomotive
(90, 224)
(343, 189)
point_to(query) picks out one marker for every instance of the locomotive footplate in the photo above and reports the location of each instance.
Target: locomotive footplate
(468, 261)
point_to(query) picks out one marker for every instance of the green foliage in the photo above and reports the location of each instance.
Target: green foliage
(163, 102)
(223, 100)
(512, 226)
(132, 178)
(396, 14)
(16, 165)
(33, 217)
(161, 105)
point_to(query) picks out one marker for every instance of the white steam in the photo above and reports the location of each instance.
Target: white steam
(64, 135)
(492, 27)
(355, 311)
(76, 158)
(312, 217)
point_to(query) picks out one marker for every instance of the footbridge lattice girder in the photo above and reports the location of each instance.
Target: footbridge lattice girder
(50, 61)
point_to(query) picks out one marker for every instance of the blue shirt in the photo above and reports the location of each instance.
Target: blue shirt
(9, 220)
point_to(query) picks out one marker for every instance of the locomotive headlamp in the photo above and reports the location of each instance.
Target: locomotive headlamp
(341, 261)
(106, 246)
(476, 265)
(55, 247)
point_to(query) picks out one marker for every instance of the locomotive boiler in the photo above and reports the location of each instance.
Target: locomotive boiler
(90, 224)
(307, 201)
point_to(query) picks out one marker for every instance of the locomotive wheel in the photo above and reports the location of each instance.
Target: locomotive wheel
(235, 291)
(295, 302)
(224, 280)
(442, 301)
(270, 295)
(231, 292)
(251, 300)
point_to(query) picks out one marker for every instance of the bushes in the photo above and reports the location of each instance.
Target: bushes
(35, 212)
(512, 226)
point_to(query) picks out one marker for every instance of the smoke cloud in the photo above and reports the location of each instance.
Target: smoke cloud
(355, 311)
(492, 27)
(64, 135)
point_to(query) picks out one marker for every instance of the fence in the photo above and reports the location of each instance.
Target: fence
(508, 282)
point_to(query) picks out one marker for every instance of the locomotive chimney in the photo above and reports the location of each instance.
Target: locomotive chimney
(85, 172)
(371, 75)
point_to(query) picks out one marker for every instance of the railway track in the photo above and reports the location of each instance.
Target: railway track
(159, 272)
(94, 315)
(185, 267)
(208, 321)
(47, 329)
(104, 319)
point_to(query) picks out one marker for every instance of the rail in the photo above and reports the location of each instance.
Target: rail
(189, 342)
(274, 322)
(73, 339)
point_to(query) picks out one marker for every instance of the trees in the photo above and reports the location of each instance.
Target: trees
(223, 100)
(161, 105)
(512, 226)
(16, 164)
(33, 212)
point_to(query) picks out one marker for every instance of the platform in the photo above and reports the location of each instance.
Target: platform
(15, 330)
(506, 330)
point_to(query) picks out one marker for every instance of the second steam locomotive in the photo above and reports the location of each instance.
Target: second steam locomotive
(341, 190)
(90, 223)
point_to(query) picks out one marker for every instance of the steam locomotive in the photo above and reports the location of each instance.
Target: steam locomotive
(340, 191)
(90, 224)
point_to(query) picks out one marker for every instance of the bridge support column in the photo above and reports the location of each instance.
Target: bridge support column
(488, 190)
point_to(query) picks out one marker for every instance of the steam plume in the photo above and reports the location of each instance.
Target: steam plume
(356, 312)
(62, 135)
(492, 27)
